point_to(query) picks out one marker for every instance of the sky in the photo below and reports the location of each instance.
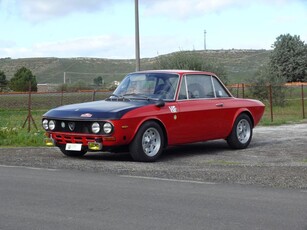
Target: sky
(106, 28)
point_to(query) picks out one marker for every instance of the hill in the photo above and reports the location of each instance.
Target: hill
(240, 66)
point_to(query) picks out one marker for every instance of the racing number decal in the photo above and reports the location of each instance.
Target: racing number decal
(173, 109)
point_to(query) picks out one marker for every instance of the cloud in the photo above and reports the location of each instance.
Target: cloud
(182, 9)
(108, 46)
(7, 43)
(91, 45)
(103, 46)
(41, 10)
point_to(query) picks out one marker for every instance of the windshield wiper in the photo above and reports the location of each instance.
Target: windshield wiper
(118, 97)
(137, 96)
(158, 102)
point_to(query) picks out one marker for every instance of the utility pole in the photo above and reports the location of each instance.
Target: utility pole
(205, 45)
(137, 36)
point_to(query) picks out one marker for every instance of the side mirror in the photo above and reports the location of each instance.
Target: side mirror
(160, 103)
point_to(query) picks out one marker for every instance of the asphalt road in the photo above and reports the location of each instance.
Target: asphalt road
(71, 199)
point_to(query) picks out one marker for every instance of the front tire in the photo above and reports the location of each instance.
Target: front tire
(148, 143)
(242, 132)
(75, 154)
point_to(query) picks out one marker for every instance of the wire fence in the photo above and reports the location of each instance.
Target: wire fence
(25, 109)
(283, 102)
(20, 108)
(41, 101)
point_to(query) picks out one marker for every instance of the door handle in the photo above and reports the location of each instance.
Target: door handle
(219, 105)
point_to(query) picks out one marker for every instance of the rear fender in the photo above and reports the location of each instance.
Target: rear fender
(240, 111)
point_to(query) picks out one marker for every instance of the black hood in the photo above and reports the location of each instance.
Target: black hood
(96, 110)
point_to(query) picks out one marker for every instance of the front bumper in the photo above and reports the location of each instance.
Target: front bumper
(91, 141)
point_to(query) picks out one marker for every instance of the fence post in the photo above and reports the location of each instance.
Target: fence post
(243, 90)
(303, 101)
(29, 117)
(94, 95)
(271, 102)
(238, 87)
(62, 95)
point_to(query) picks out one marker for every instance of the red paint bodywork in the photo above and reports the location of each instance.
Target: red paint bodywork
(193, 120)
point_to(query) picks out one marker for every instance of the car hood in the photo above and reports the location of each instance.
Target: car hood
(94, 110)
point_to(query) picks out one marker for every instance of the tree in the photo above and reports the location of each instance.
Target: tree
(187, 60)
(98, 81)
(289, 58)
(263, 79)
(3, 81)
(22, 78)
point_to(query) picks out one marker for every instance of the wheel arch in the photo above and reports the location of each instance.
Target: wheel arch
(160, 123)
(244, 111)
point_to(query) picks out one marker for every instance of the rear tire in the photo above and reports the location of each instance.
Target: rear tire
(75, 154)
(242, 132)
(148, 143)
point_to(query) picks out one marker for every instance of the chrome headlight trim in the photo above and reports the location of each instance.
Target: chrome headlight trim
(51, 124)
(108, 127)
(95, 127)
(45, 124)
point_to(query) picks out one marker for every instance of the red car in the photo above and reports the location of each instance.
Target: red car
(151, 110)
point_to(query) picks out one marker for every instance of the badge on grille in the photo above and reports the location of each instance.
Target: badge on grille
(71, 126)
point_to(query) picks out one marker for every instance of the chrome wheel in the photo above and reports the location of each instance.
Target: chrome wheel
(148, 142)
(243, 131)
(151, 142)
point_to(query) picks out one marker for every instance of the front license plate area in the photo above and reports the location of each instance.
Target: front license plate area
(73, 147)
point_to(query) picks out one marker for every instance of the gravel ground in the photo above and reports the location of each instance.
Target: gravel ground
(276, 157)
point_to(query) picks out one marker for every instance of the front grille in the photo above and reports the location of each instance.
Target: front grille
(79, 126)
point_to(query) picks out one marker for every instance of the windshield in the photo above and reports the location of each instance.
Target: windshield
(149, 86)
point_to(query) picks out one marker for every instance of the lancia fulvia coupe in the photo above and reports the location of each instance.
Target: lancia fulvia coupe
(151, 110)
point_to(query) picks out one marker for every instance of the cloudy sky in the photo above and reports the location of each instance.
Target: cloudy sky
(105, 28)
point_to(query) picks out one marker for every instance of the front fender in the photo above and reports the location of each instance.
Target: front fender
(142, 121)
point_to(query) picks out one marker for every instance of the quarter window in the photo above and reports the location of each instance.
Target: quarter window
(219, 89)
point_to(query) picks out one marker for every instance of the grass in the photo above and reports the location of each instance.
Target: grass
(12, 119)
(12, 133)
(288, 114)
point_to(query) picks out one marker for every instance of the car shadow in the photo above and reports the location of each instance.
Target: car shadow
(179, 151)
(195, 149)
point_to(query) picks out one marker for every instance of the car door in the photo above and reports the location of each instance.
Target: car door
(201, 114)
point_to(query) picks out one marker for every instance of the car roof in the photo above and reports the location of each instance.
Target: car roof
(176, 71)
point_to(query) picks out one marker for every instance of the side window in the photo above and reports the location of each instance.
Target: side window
(199, 86)
(219, 89)
(183, 90)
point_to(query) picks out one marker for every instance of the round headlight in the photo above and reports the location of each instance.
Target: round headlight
(95, 127)
(107, 127)
(51, 124)
(45, 124)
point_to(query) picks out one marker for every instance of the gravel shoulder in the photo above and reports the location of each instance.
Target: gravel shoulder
(277, 157)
